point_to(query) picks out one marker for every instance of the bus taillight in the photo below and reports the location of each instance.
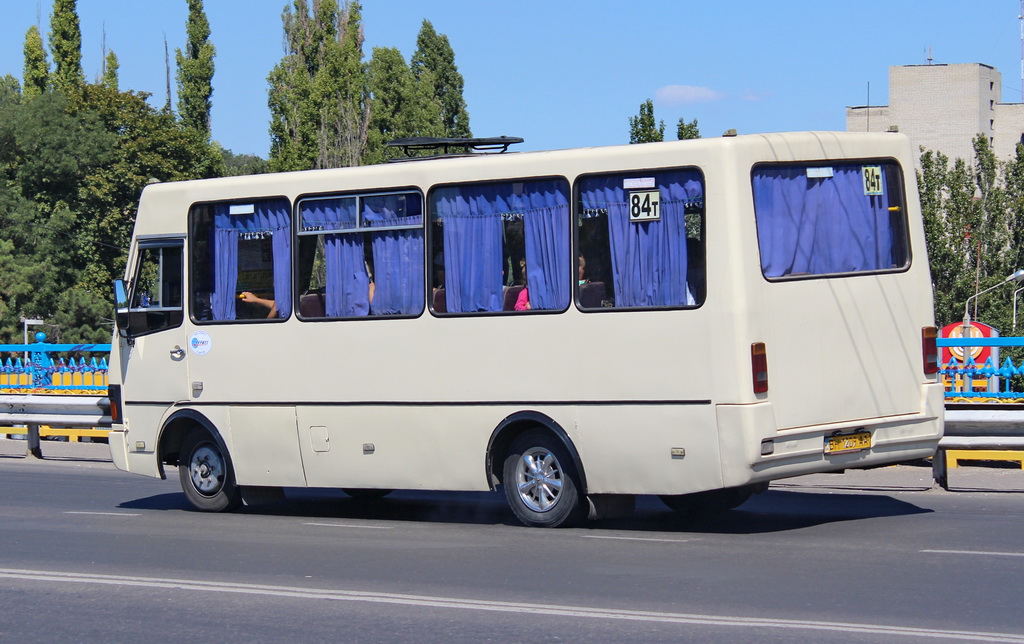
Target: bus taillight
(759, 367)
(114, 396)
(929, 350)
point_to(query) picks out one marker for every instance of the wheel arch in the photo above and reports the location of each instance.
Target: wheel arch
(173, 433)
(515, 425)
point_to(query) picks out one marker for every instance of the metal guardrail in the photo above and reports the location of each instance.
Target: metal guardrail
(33, 410)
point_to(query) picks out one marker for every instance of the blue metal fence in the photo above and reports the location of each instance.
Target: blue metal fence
(38, 367)
(963, 374)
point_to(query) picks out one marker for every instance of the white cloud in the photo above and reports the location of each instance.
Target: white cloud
(675, 95)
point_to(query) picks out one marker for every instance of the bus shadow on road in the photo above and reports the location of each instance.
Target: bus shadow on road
(773, 511)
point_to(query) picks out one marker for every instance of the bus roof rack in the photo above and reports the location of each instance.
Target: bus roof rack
(452, 146)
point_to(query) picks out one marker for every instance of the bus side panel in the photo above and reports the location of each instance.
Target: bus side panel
(649, 449)
(264, 449)
(142, 426)
(396, 447)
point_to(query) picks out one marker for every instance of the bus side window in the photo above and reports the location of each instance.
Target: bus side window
(240, 260)
(361, 255)
(501, 246)
(641, 240)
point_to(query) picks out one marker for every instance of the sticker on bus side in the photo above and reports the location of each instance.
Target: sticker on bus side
(200, 343)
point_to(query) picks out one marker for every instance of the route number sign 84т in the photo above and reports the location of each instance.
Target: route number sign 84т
(645, 206)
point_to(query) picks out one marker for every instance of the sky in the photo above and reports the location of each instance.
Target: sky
(570, 73)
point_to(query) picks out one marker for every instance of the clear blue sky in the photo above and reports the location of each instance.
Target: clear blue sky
(569, 73)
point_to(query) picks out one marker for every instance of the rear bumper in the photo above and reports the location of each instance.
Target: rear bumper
(118, 440)
(769, 453)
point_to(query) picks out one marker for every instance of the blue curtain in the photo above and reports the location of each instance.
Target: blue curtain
(473, 217)
(649, 259)
(347, 287)
(545, 208)
(472, 247)
(820, 225)
(397, 259)
(272, 218)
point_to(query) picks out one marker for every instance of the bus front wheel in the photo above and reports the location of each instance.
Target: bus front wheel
(540, 482)
(205, 474)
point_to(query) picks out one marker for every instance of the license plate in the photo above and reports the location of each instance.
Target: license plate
(843, 443)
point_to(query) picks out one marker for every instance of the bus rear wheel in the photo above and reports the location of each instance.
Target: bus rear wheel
(205, 474)
(540, 482)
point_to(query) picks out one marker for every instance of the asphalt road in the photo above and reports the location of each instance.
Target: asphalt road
(90, 554)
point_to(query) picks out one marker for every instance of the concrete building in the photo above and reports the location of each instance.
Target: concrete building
(943, 107)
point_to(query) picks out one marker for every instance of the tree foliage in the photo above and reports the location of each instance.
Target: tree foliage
(643, 128)
(401, 105)
(433, 66)
(37, 70)
(974, 228)
(73, 159)
(66, 46)
(318, 93)
(195, 71)
(686, 130)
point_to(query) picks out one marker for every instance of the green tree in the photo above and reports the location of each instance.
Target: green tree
(37, 71)
(642, 127)
(66, 46)
(110, 67)
(400, 107)
(318, 93)
(195, 71)
(686, 130)
(241, 164)
(433, 64)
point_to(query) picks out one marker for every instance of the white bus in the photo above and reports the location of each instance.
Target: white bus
(687, 319)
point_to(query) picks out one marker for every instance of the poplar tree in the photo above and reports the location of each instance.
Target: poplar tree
(318, 94)
(195, 71)
(110, 67)
(66, 46)
(642, 127)
(400, 106)
(37, 70)
(434, 61)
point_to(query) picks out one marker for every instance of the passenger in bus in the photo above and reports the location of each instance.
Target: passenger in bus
(582, 270)
(523, 301)
(250, 298)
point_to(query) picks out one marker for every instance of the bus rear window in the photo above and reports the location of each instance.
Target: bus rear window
(827, 219)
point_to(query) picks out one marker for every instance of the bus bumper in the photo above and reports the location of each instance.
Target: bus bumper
(754, 450)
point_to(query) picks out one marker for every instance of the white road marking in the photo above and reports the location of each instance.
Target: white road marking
(595, 536)
(502, 607)
(104, 514)
(349, 525)
(975, 552)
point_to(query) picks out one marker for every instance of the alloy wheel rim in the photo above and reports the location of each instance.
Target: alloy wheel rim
(539, 479)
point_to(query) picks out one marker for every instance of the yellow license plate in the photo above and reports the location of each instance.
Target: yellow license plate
(842, 443)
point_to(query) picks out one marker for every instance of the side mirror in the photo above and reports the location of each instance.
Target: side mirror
(121, 307)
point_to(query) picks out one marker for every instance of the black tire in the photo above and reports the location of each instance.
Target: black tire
(366, 493)
(541, 483)
(205, 474)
